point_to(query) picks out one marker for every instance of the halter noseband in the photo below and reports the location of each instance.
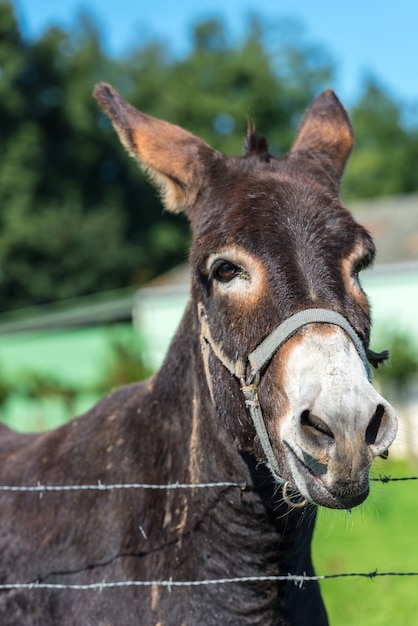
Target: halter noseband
(260, 357)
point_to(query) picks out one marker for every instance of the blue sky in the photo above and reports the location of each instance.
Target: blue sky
(378, 37)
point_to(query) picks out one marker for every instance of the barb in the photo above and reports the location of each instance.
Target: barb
(389, 479)
(110, 487)
(297, 579)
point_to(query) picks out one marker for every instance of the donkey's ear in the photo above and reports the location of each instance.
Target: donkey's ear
(326, 132)
(174, 158)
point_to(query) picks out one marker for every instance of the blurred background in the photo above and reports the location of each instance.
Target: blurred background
(93, 278)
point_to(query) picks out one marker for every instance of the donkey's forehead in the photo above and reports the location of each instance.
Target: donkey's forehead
(259, 208)
(241, 185)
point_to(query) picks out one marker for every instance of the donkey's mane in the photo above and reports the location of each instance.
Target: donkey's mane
(256, 145)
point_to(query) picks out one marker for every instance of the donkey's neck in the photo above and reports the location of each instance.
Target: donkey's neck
(181, 385)
(227, 532)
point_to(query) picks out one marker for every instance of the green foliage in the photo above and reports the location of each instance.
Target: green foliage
(384, 159)
(77, 216)
(35, 386)
(219, 86)
(124, 363)
(402, 367)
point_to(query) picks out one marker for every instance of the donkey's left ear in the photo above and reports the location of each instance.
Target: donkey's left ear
(326, 133)
(174, 158)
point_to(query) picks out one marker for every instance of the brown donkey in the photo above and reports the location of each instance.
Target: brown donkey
(266, 385)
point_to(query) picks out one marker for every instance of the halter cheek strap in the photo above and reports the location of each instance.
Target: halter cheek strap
(259, 358)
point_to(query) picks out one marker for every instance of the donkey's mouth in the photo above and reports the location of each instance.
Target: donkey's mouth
(313, 487)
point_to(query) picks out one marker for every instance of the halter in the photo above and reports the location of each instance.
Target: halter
(259, 358)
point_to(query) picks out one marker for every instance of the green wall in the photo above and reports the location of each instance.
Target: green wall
(73, 357)
(394, 300)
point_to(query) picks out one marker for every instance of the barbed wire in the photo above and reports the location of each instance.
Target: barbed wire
(297, 579)
(390, 479)
(99, 486)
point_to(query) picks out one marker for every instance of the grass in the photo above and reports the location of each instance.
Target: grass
(381, 535)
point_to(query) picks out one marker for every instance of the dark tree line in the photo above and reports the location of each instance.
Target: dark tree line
(76, 215)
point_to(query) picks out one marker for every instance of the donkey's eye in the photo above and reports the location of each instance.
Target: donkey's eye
(225, 271)
(362, 264)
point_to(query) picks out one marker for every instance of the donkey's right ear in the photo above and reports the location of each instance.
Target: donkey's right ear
(326, 133)
(174, 158)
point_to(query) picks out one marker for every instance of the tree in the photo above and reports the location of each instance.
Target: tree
(383, 162)
(61, 234)
(77, 216)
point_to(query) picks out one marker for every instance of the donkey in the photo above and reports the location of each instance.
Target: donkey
(263, 406)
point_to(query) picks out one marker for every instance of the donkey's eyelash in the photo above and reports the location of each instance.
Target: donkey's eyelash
(363, 263)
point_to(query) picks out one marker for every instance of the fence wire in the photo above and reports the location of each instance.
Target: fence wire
(298, 580)
(99, 486)
(390, 479)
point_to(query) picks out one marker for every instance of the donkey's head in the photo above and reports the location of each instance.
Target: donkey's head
(272, 240)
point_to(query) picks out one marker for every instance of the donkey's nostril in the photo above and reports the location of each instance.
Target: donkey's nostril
(375, 423)
(314, 424)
